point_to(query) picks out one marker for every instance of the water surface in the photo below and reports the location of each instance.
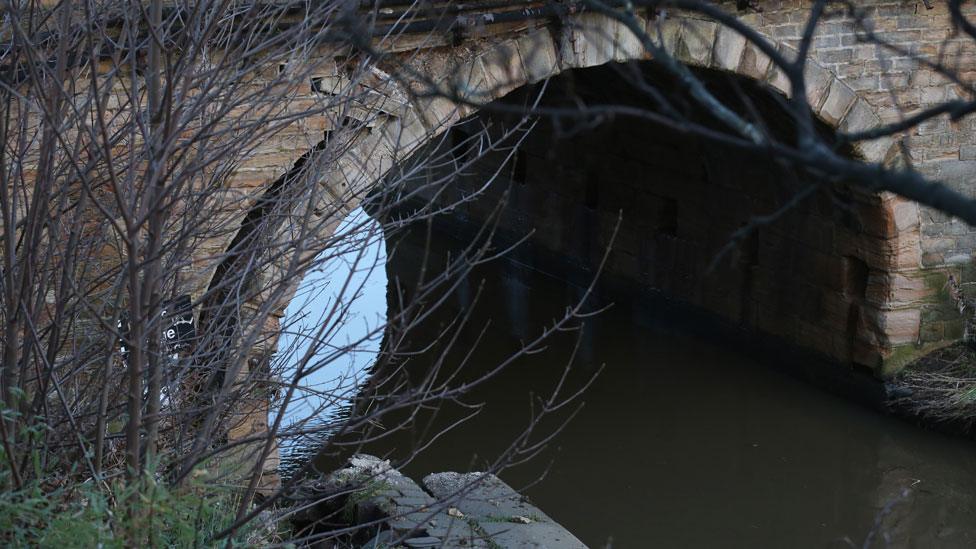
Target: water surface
(679, 442)
(682, 442)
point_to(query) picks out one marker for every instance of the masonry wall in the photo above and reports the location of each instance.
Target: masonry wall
(897, 86)
(908, 268)
(907, 272)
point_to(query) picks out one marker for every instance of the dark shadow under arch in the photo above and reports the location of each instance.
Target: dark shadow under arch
(811, 279)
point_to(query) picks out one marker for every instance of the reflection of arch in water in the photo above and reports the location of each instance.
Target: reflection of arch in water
(351, 284)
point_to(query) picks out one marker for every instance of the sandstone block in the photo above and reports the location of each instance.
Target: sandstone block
(437, 112)
(908, 290)
(404, 133)
(627, 45)
(859, 117)
(907, 251)
(839, 99)
(754, 62)
(470, 84)
(665, 33)
(587, 41)
(503, 66)
(777, 78)
(729, 46)
(697, 40)
(902, 326)
(905, 214)
(818, 80)
(538, 54)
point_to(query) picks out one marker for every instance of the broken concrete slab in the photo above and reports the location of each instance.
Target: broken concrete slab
(503, 515)
(472, 510)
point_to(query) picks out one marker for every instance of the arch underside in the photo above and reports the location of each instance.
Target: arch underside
(755, 246)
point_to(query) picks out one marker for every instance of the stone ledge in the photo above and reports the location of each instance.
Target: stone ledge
(456, 511)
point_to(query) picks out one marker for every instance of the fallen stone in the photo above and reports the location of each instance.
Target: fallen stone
(457, 511)
(378, 492)
(498, 512)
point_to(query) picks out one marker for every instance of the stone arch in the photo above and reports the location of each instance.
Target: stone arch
(483, 70)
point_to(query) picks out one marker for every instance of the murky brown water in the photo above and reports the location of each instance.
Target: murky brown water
(681, 442)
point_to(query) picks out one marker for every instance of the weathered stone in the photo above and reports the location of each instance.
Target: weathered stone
(665, 33)
(538, 54)
(586, 41)
(905, 214)
(729, 46)
(958, 173)
(402, 134)
(500, 512)
(383, 492)
(776, 77)
(697, 40)
(839, 99)
(932, 259)
(754, 62)
(967, 152)
(627, 45)
(902, 326)
(907, 251)
(503, 66)
(860, 117)
(470, 84)
(908, 290)
(817, 80)
(424, 541)
(437, 112)
(457, 514)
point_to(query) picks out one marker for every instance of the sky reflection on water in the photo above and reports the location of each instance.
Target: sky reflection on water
(351, 286)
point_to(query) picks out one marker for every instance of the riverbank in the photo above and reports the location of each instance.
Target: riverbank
(938, 390)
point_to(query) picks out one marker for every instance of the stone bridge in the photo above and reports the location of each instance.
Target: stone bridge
(865, 287)
(862, 284)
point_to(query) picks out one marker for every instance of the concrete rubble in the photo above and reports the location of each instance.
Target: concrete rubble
(451, 510)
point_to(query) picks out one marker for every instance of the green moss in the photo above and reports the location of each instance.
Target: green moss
(936, 282)
(900, 356)
(954, 329)
(903, 355)
(932, 331)
(968, 273)
(939, 313)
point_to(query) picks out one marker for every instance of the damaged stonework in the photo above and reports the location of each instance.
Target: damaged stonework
(451, 510)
